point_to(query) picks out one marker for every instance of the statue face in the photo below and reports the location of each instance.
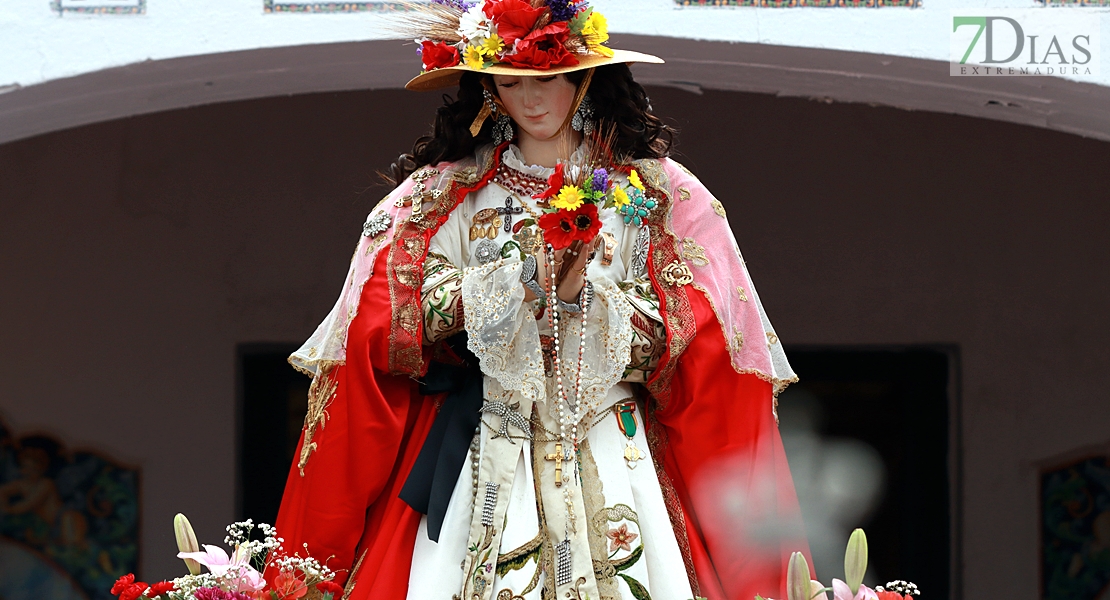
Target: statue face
(538, 105)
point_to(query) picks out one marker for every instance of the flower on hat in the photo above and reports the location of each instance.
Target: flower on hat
(437, 55)
(474, 57)
(543, 48)
(595, 30)
(514, 18)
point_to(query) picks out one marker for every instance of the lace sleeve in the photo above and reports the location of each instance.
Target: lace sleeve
(441, 299)
(501, 328)
(649, 335)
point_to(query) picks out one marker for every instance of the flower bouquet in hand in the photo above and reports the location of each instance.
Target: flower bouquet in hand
(576, 194)
(236, 576)
(799, 586)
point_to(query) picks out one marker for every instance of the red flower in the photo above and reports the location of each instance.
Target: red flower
(123, 583)
(543, 48)
(133, 591)
(160, 588)
(563, 227)
(554, 184)
(889, 595)
(437, 55)
(514, 18)
(288, 587)
(330, 587)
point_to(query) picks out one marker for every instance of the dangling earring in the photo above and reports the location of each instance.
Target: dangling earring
(503, 129)
(583, 119)
(502, 124)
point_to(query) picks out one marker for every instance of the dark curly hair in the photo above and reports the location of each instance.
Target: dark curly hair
(619, 104)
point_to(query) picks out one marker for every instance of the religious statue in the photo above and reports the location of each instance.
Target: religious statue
(546, 346)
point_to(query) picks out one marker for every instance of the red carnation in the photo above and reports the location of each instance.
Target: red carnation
(563, 227)
(543, 48)
(123, 583)
(437, 55)
(133, 591)
(889, 595)
(514, 18)
(554, 184)
(330, 587)
(162, 587)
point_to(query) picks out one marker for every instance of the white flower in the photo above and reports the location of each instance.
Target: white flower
(473, 25)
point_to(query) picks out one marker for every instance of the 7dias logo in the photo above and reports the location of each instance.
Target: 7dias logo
(1039, 41)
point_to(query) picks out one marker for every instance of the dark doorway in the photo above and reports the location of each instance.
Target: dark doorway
(272, 409)
(867, 436)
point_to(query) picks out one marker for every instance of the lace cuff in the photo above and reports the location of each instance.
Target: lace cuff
(649, 335)
(501, 328)
(608, 340)
(441, 299)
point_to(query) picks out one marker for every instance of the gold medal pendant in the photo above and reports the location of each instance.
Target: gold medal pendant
(626, 420)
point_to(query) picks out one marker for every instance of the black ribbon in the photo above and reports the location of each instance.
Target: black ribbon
(436, 470)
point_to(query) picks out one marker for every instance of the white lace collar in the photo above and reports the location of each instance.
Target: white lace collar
(515, 161)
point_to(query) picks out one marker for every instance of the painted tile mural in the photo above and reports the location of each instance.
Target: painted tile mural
(69, 521)
(1075, 530)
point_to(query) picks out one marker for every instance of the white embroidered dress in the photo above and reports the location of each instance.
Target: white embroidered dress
(510, 532)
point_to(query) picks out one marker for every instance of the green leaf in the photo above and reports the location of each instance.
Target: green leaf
(579, 21)
(627, 562)
(518, 562)
(639, 592)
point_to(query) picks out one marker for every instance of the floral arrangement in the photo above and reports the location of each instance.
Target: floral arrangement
(799, 586)
(535, 34)
(573, 212)
(237, 576)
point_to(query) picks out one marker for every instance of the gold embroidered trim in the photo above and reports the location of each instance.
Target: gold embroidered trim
(657, 445)
(683, 194)
(320, 395)
(717, 207)
(593, 497)
(677, 274)
(350, 587)
(737, 341)
(674, 303)
(405, 270)
(694, 252)
(772, 338)
(743, 296)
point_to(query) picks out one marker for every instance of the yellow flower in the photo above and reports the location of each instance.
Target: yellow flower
(620, 197)
(634, 179)
(596, 27)
(569, 198)
(474, 57)
(492, 45)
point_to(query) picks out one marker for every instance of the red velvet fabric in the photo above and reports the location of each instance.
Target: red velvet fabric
(724, 455)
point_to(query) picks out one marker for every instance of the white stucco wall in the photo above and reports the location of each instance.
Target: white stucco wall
(38, 45)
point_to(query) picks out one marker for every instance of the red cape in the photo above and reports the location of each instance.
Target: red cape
(712, 433)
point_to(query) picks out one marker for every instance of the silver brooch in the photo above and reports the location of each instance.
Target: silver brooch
(487, 251)
(640, 252)
(377, 224)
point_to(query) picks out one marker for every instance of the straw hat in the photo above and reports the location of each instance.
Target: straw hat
(449, 76)
(526, 38)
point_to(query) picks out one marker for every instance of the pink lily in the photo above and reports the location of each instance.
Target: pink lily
(247, 579)
(841, 591)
